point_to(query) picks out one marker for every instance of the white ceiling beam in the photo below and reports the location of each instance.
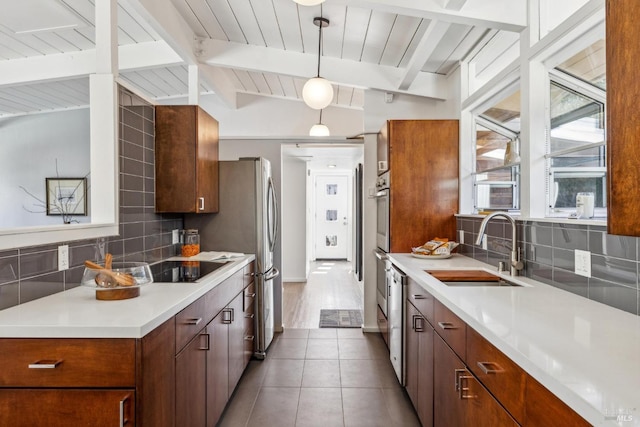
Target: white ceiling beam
(429, 42)
(508, 15)
(454, 4)
(165, 19)
(80, 64)
(348, 73)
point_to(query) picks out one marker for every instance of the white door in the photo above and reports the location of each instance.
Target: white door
(332, 216)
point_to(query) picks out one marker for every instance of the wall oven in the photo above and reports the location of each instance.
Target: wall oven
(383, 198)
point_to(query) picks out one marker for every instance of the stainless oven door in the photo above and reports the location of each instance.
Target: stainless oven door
(382, 267)
(382, 227)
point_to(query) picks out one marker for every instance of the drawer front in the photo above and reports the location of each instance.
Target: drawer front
(220, 296)
(67, 362)
(249, 296)
(67, 407)
(421, 299)
(451, 328)
(190, 321)
(543, 408)
(248, 272)
(504, 379)
(249, 320)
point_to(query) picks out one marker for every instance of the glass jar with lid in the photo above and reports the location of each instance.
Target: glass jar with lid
(190, 242)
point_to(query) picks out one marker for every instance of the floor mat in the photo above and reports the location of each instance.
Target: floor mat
(340, 318)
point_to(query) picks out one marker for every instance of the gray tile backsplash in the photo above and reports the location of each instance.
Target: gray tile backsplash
(549, 254)
(30, 273)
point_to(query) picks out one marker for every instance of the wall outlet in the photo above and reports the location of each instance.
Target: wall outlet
(63, 257)
(484, 242)
(175, 237)
(583, 263)
(461, 237)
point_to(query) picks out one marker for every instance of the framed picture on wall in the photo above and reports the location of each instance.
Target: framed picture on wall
(66, 196)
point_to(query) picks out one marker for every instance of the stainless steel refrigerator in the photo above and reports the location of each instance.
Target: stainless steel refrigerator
(247, 222)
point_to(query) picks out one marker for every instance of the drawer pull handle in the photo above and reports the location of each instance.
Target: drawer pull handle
(45, 364)
(249, 316)
(208, 342)
(490, 368)
(251, 295)
(201, 199)
(457, 373)
(249, 338)
(447, 325)
(124, 419)
(419, 296)
(193, 321)
(227, 316)
(464, 389)
(418, 326)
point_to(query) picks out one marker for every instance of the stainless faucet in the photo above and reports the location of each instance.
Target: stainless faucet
(516, 263)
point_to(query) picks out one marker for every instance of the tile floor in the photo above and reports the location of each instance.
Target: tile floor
(321, 377)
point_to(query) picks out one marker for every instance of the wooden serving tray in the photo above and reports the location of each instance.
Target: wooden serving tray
(117, 294)
(463, 275)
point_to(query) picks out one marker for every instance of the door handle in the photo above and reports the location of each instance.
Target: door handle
(274, 273)
(201, 200)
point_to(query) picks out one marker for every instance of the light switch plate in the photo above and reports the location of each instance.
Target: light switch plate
(461, 237)
(583, 263)
(175, 236)
(63, 257)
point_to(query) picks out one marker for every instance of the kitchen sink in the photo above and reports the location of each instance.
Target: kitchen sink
(470, 278)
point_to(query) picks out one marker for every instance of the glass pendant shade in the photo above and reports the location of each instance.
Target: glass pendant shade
(308, 2)
(319, 130)
(317, 93)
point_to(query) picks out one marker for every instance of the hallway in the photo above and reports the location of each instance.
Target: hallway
(331, 284)
(329, 377)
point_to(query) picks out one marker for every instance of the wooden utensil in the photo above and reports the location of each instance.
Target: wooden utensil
(108, 259)
(122, 279)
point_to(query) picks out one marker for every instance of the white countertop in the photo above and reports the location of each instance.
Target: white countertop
(586, 353)
(77, 314)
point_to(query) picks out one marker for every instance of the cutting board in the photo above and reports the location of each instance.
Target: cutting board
(463, 275)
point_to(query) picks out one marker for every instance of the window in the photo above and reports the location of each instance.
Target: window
(588, 65)
(497, 173)
(576, 159)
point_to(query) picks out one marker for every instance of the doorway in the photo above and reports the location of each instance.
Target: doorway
(319, 231)
(332, 216)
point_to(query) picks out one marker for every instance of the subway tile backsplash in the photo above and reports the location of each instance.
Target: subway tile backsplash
(548, 250)
(30, 273)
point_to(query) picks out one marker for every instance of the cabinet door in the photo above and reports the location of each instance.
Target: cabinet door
(236, 341)
(218, 367)
(191, 370)
(425, 371)
(448, 408)
(207, 163)
(482, 409)
(66, 407)
(412, 349)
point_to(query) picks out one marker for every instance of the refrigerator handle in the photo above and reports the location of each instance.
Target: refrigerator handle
(273, 228)
(274, 273)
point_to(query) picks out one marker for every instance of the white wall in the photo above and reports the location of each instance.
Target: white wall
(29, 147)
(294, 217)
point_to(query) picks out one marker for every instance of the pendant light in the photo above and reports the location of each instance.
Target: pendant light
(319, 129)
(317, 92)
(309, 2)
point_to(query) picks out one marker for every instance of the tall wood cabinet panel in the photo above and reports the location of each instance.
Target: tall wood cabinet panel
(186, 158)
(623, 120)
(423, 175)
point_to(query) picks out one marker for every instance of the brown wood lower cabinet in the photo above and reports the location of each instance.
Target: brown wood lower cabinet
(67, 407)
(419, 364)
(181, 374)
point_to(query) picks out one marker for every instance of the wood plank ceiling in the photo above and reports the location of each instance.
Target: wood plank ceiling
(227, 31)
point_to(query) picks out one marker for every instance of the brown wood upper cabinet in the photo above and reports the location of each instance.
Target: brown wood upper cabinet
(423, 175)
(186, 160)
(623, 121)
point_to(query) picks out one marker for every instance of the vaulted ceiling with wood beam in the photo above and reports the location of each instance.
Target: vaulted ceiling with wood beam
(260, 47)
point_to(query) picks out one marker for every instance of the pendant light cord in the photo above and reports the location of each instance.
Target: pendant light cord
(319, 41)
(321, 116)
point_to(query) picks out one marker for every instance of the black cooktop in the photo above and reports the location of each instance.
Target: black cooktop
(183, 271)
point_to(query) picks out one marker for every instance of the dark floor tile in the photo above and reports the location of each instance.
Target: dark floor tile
(292, 348)
(321, 373)
(320, 407)
(284, 373)
(366, 407)
(325, 348)
(275, 406)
